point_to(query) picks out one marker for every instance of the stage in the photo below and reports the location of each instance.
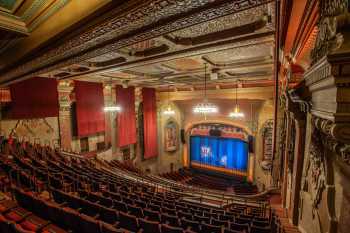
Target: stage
(218, 154)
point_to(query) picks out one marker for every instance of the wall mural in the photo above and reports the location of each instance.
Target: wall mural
(266, 133)
(43, 131)
(171, 136)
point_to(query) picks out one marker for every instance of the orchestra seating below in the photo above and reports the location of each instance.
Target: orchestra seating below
(236, 184)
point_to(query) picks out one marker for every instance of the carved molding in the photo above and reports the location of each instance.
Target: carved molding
(336, 137)
(266, 133)
(316, 165)
(225, 34)
(333, 16)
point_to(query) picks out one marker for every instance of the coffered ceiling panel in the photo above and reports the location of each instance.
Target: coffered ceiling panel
(235, 43)
(239, 53)
(183, 64)
(226, 22)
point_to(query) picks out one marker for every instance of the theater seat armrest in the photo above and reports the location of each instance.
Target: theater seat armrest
(27, 215)
(44, 225)
(96, 216)
(63, 204)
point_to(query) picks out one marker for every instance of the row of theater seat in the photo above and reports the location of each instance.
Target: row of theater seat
(112, 187)
(217, 183)
(16, 219)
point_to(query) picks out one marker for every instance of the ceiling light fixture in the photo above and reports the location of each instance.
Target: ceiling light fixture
(236, 111)
(168, 111)
(205, 107)
(112, 109)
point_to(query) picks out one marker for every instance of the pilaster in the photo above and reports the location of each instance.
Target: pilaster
(65, 89)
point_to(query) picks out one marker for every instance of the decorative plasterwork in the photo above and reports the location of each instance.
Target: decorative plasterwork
(333, 17)
(315, 168)
(244, 52)
(33, 15)
(267, 137)
(223, 23)
(143, 15)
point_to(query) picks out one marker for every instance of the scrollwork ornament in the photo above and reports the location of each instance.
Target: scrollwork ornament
(316, 168)
(345, 154)
(335, 137)
(329, 38)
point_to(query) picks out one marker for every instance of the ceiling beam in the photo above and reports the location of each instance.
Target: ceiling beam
(245, 41)
(252, 93)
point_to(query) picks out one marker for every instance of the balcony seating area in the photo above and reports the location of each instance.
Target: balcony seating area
(84, 197)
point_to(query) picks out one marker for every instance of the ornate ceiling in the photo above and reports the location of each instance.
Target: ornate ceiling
(162, 43)
(18, 18)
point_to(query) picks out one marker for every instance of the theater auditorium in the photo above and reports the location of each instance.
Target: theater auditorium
(174, 116)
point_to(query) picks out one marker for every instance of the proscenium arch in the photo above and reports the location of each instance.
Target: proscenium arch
(190, 125)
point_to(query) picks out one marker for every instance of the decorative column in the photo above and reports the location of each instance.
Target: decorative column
(299, 118)
(65, 89)
(108, 101)
(285, 162)
(329, 85)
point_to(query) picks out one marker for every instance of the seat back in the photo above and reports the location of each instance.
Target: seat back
(256, 229)
(217, 222)
(108, 215)
(151, 215)
(89, 225)
(206, 228)
(120, 206)
(5, 225)
(149, 226)
(239, 227)
(187, 223)
(134, 210)
(170, 229)
(128, 222)
(170, 220)
(107, 228)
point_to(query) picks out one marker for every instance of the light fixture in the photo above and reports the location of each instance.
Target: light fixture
(168, 111)
(236, 111)
(112, 108)
(205, 107)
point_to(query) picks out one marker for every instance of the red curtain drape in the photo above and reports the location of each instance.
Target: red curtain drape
(150, 123)
(89, 108)
(126, 118)
(34, 98)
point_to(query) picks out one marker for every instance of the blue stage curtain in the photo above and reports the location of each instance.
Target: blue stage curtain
(230, 153)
